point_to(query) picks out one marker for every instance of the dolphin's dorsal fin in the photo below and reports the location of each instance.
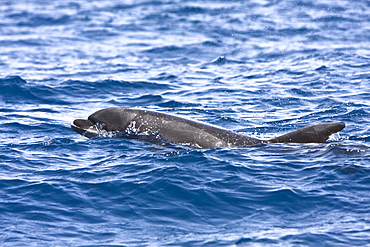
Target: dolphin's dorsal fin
(314, 133)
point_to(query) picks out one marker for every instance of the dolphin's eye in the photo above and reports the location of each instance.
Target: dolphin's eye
(100, 126)
(103, 126)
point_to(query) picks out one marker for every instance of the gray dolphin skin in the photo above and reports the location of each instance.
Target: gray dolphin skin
(159, 128)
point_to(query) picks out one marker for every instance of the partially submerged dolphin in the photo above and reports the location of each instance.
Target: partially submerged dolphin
(158, 127)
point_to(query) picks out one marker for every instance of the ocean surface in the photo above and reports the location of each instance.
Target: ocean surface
(259, 67)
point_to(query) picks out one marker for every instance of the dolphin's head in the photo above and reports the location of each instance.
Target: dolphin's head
(115, 119)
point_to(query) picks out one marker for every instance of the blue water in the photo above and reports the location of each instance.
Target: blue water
(259, 67)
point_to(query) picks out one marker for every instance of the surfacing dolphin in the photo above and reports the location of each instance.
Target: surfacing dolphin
(158, 127)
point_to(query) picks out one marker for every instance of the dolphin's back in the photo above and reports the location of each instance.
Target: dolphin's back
(187, 132)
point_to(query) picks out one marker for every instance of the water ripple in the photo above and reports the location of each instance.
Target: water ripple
(262, 68)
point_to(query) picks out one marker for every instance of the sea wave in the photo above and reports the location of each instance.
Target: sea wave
(261, 68)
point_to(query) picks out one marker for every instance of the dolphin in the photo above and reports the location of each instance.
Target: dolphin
(161, 128)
